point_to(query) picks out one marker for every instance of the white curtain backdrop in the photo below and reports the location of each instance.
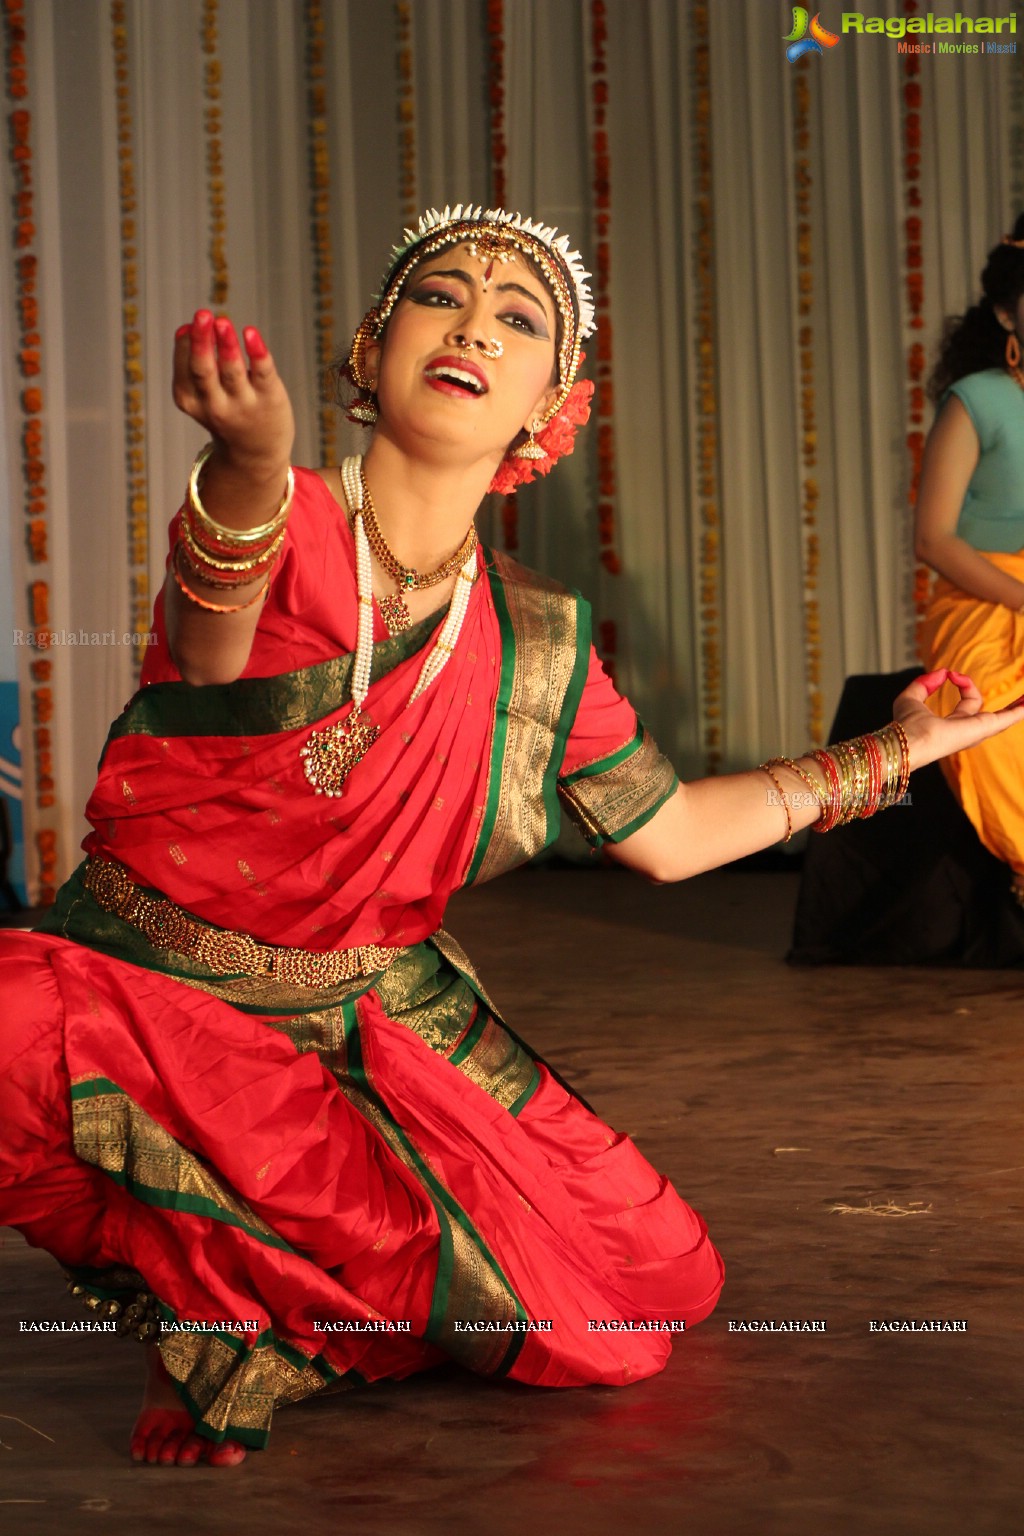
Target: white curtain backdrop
(250, 110)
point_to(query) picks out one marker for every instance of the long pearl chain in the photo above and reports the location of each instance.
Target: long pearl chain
(351, 479)
(330, 755)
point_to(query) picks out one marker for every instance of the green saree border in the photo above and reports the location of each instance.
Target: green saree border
(166, 1199)
(440, 1198)
(259, 706)
(612, 760)
(499, 738)
(516, 657)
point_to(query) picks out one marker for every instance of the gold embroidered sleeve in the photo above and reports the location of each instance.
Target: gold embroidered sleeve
(613, 797)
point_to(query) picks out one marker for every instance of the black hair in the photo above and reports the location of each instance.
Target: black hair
(977, 340)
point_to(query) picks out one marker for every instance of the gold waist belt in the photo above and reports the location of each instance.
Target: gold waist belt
(221, 951)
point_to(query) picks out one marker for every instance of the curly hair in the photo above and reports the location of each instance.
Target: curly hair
(977, 340)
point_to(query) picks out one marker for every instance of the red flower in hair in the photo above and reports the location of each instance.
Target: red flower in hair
(557, 438)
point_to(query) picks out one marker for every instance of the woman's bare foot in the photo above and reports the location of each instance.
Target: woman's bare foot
(164, 1433)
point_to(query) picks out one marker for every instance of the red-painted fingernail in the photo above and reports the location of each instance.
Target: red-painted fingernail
(182, 330)
(226, 335)
(959, 677)
(203, 317)
(254, 342)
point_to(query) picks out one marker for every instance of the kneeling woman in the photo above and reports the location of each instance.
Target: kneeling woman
(252, 1096)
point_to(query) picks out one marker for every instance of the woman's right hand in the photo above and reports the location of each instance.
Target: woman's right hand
(244, 406)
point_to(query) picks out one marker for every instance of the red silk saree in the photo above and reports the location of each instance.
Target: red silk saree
(307, 1185)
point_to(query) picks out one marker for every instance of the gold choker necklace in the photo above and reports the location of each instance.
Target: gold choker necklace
(393, 608)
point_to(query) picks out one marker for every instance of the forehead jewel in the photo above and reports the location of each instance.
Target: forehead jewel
(460, 219)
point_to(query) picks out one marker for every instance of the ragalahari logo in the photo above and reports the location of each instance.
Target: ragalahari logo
(799, 41)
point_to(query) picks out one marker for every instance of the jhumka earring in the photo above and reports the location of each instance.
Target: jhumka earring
(364, 411)
(531, 449)
(1012, 350)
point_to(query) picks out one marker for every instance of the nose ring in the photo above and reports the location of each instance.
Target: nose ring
(496, 349)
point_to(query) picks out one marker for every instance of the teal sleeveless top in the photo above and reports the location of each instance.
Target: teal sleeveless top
(992, 516)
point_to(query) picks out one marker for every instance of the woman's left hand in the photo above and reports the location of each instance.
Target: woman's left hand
(933, 736)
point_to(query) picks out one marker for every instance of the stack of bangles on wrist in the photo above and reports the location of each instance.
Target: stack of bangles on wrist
(222, 557)
(862, 776)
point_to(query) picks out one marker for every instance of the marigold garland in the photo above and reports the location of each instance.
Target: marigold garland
(706, 403)
(1017, 134)
(803, 176)
(408, 196)
(919, 583)
(320, 211)
(498, 158)
(136, 478)
(23, 242)
(496, 98)
(212, 127)
(601, 205)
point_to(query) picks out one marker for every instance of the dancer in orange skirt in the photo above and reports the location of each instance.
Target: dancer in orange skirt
(970, 529)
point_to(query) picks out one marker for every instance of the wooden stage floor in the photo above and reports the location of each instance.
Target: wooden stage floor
(852, 1138)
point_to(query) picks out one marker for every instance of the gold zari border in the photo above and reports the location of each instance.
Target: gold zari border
(543, 617)
(604, 804)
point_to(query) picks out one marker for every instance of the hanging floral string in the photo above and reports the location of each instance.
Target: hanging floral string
(136, 479)
(30, 357)
(706, 401)
(496, 98)
(918, 583)
(408, 196)
(498, 158)
(1017, 135)
(601, 206)
(320, 211)
(803, 176)
(212, 126)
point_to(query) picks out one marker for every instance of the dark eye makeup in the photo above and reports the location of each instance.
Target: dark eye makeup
(432, 296)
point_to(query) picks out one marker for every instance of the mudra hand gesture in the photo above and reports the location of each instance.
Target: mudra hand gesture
(933, 736)
(241, 402)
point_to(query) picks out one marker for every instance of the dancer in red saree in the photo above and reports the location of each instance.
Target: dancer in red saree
(254, 1098)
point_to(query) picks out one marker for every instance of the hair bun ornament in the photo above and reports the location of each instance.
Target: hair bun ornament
(557, 438)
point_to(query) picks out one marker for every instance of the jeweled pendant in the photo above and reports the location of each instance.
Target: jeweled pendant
(395, 614)
(330, 755)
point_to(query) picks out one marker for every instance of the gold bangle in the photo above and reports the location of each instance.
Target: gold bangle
(764, 768)
(901, 788)
(240, 563)
(201, 602)
(817, 790)
(222, 582)
(237, 536)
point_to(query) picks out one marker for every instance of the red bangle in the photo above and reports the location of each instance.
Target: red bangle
(201, 602)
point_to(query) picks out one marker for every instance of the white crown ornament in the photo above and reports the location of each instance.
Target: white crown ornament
(433, 222)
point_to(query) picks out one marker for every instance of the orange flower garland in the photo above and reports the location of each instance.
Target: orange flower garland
(1017, 134)
(136, 479)
(496, 98)
(919, 584)
(23, 242)
(706, 404)
(809, 493)
(408, 196)
(216, 201)
(320, 212)
(601, 204)
(498, 156)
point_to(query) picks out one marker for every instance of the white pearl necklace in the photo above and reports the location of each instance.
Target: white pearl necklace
(330, 755)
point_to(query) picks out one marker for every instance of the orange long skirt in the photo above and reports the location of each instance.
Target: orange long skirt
(986, 641)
